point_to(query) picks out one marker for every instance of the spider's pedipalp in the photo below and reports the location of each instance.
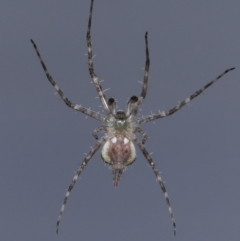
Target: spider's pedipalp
(74, 180)
(112, 105)
(159, 179)
(90, 64)
(131, 105)
(181, 104)
(79, 108)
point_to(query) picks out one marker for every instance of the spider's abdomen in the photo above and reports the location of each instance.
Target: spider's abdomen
(119, 152)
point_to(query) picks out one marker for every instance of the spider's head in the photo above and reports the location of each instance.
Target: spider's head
(120, 120)
(120, 115)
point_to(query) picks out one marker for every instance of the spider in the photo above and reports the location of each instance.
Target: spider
(120, 127)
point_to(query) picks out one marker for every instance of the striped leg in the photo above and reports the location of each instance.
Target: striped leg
(181, 104)
(98, 129)
(159, 179)
(145, 80)
(74, 180)
(90, 64)
(85, 111)
(146, 72)
(144, 135)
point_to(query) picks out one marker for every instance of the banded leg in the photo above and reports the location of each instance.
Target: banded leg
(79, 108)
(97, 130)
(74, 180)
(160, 181)
(90, 64)
(146, 72)
(145, 80)
(181, 104)
(144, 135)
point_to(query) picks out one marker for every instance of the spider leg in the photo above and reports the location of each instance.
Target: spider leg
(90, 64)
(98, 129)
(145, 79)
(146, 72)
(181, 104)
(143, 133)
(79, 108)
(74, 180)
(159, 179)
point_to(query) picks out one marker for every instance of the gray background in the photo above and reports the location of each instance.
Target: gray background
(42, 141)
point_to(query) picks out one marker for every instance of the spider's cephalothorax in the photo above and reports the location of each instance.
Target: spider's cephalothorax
(120, 127)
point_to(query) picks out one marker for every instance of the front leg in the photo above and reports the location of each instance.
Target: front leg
(162, 114)
(76, 107)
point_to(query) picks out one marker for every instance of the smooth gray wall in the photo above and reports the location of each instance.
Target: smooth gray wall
(42, 141)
